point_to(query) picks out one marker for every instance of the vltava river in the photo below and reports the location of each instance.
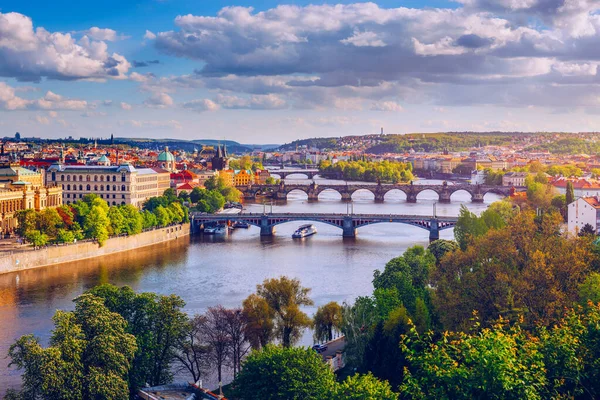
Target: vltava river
(206, 271)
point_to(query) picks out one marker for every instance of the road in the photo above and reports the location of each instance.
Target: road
(333, 346)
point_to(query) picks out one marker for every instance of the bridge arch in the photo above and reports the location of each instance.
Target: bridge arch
(300, 193)
(461, 195)
(489, 196)
(330, 194)
(363, 194)
(298, 175)
(395, 195)
(428, 194)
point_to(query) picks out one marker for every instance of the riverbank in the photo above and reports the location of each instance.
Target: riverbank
(51, 255)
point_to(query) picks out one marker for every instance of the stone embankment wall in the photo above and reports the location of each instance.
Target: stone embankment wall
(27, 259)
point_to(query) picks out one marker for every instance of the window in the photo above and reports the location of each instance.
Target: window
(114, 178)
(101, 188)
(53, 176)
(68, 177)
(107, 178)
(95, 188)
(101, 178)
(88, 188)
(62, 177)
(88, 178)
(108, 188)
(122, 196)
(114, 188)
(68, 187)
(122, 177)
(123, 188)
(68, 195)
(95, 178)
(80, 187)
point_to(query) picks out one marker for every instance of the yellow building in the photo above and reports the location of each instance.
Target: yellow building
(22, 189)
(227, 175)
(243, 177)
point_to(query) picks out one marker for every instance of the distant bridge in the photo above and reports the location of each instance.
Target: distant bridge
(313, 190)
(348, 223)
(308, 173)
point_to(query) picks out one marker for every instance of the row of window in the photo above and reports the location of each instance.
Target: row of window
(114, 203)
(114, 196)
(89, 187)
(88, 178)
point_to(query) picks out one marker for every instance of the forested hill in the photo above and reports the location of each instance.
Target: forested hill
(453, 141)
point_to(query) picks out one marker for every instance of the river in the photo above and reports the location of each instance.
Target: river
(207, 271)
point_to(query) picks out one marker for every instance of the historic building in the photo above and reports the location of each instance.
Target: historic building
(221, 160)
(119, 184)
(166, 160)
(22, 189)
(243, 177)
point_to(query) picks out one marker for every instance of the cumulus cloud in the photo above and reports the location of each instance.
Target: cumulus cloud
(201, 105)
(51, 101)
(256, 102)
(149, 35)
(159, 100)
(125, 106)
(386, 106)
(104, 34)
(29, 54)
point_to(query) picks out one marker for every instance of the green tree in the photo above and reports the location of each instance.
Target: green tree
(285, 296)
(284, 373)
(96, 224)
(36, 238)
(163, 217)
(589, 289)
(117, 221)
(133, 219)
(149, 219)
(357, 320)
(158, 324)
(65, 236)
(260, 325)
(89, 355)
(27, 220)
(363, 387)
(587, 230)
(439, 248)
(328, 319)
(49, 221)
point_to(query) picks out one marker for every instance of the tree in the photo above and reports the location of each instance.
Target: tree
(192, 351)
(215, 333)
(259, 317)
(133, 219)
(589, 290)
(89, 355)
(163, 217)
(65, 236)
(570, 196)
(357, 319)
(327, 319)
(48, 221)
(285, 297)
(26, 221)
(587, 230)
(235, 326)
(441, 247)
(117, 221)
(468, 226)
(363, 387)
(158, 325)
(36, 238)
(284, 373)
(96, 224)
(197, 194)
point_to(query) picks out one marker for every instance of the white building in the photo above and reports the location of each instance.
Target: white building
(516, 179)
(119, 184)
(585, 210)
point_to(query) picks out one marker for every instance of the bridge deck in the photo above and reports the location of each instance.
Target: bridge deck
(320, 215)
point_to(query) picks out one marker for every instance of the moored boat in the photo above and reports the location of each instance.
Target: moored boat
(304, 231)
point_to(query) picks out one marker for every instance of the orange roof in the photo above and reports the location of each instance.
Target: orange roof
(592, 201)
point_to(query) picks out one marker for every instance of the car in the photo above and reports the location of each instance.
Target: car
(320, 348)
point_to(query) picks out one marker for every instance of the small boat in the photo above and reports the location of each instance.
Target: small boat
(304, 231)
(210, 229)
(240, 224)
(220, 230)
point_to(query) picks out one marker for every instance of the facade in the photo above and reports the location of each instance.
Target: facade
(22, 189)
(118, 185)
(220, 161)
(166, 160)
(585, 210)
(243, 177)
(515, 179)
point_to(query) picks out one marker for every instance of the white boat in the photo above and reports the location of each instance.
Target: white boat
(220, 230)
(304, 231)
(210, 230)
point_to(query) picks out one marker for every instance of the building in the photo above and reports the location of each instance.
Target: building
(22, 189)
(243, 177)
(514, 179)
(166, 160)
(585, 210)
(119, 184)
(220, 161)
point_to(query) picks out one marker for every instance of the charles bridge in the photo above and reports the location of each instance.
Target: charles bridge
(444, 191)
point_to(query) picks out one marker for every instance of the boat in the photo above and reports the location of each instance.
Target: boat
(210, 229)
(304, 231)
(241, 224)
(220, 230)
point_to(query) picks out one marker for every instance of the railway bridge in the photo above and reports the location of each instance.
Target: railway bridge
(411, 191)
(348, 223)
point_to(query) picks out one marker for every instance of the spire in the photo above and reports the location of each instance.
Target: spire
(225, 151)
(219, 152)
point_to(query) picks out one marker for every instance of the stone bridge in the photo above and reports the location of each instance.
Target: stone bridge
(309, 173)
(411, 191)
(348, 223)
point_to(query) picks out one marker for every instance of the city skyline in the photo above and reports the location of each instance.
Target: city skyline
(287, 70)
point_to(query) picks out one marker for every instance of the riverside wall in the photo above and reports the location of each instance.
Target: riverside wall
(51, 255)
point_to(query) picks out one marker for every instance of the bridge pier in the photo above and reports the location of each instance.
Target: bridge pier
(313, 195)
(281, 195)
(444, 197)
(346, 196)
(265, 228)
(434, 230)
(379, 197)
(411, 198)
(348, 227)
(477, 198)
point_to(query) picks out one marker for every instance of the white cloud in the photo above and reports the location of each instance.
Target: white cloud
(125, 106)
(386, 106)
(149, 35)
(30, 54)
(201, 105)
(159, 100)
(51, 101)
(104, 34)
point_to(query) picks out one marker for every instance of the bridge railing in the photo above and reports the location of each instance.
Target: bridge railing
(320, 215)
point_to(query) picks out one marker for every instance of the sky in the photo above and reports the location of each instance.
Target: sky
(273, 72)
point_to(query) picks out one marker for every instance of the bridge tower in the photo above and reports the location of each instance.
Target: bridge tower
(313, 193)
(265, 228)
(477, 196)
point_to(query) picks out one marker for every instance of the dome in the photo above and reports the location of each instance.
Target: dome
(103, 159)
(166, 156)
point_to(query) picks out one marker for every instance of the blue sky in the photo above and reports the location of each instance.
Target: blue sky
(271, 72)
